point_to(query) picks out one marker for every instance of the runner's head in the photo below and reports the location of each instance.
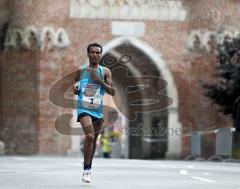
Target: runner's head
(94, 52)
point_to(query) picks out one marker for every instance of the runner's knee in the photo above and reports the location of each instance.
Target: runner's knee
(96, 136)
(89, 137)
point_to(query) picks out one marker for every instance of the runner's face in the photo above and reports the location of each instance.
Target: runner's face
(94, 55)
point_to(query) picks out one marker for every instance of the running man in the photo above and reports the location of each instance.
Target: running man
(90, 84)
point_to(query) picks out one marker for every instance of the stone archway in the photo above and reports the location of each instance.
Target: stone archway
(173, 140)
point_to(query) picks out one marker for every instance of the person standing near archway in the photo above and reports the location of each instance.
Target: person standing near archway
(236, 115)
(90, 84)
(236, 122)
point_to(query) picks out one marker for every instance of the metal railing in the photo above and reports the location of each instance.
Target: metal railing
(226, 140)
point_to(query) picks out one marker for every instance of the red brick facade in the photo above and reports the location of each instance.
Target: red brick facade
(28, 116)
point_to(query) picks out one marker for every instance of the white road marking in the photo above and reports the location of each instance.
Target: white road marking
(183, 172)
(203, 179)
(190, 166)
(206, 173)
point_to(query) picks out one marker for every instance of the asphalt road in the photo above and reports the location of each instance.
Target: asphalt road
(59, 173)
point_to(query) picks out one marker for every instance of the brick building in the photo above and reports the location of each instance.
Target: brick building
(42, 41)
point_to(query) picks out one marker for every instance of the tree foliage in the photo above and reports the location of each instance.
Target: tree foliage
(226, 89)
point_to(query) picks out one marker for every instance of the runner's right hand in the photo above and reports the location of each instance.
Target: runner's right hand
(75, 89)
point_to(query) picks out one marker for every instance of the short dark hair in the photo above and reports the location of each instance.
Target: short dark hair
(93, 45)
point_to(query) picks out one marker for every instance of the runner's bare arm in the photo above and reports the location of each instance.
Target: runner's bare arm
(107, 83)
(75, 80)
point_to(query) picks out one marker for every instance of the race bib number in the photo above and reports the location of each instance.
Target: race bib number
(92, 98)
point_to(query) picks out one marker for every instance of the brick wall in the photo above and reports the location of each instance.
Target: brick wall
(19, 102)
(47, 67)
(3, 22)
(203, 114)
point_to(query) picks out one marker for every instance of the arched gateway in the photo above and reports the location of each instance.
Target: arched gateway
(144, 146)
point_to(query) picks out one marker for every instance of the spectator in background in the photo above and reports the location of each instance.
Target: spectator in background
(106, 148)
(236, 116)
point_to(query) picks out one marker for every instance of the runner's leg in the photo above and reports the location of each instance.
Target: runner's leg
(97, 128)
(87, 126)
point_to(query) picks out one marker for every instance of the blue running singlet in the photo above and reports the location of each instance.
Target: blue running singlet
(90, 93)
